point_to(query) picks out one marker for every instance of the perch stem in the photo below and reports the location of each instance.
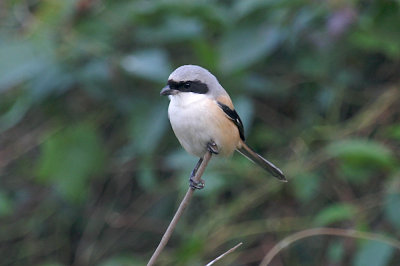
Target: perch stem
(178, 214)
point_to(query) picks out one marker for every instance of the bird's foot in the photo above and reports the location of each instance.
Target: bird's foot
(196, 184)
(212, 147)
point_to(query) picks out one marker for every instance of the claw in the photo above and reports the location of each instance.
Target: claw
(193, 184)
(196, 185)
(212, 147)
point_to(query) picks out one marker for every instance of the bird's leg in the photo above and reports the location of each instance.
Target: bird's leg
(196, 168)
(194, 184)
(212, 147)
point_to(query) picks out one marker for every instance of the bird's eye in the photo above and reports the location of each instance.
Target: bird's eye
(186, 85)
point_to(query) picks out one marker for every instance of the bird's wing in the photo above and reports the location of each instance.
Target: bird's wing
(226, 105)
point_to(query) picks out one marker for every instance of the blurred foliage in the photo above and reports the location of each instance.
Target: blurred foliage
(91, 173)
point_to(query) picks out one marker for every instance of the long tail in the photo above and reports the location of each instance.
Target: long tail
(262, 162)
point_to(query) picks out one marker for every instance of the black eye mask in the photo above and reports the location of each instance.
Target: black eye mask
(194, 86)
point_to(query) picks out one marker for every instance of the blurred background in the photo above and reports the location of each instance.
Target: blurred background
(91, 172)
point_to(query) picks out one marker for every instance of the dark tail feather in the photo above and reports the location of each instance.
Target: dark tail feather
(264, 163)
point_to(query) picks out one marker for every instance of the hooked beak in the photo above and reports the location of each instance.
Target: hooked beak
(167, 91)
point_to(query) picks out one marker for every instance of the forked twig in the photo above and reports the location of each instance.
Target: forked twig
(326, 231)
(224, 254)
(178, 214)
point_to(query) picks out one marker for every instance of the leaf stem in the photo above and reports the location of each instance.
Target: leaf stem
(326, 231)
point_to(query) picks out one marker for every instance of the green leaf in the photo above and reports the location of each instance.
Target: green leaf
(313, 65)
(53, 81)
(391, 207)
(16, 112)
(52, 13)
(393, 132)
(189, 249)
(244, 107)
(6, 205)
(377, 41)
(335, 213)
(51, 263)
(355, 174)
(149, 64)
(245, 8)
(336, 252)
(69, 159)
(206, 54)
(20, 61)
(122, 260)
(248, 45)
(373, 253)
(362, 153)
(174, 29)
(146, 177)
(145, 130)
(306, 186)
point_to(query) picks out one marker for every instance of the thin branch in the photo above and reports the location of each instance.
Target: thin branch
(326, 231)
(224, 254)
(178, 214)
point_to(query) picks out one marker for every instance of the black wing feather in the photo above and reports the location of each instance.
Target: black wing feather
(234, 117)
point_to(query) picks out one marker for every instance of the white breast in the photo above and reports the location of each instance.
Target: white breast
(197, 120)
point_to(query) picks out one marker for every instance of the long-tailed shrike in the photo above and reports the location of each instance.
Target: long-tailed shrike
(204, 119)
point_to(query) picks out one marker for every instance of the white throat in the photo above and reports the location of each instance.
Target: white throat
(186, 98)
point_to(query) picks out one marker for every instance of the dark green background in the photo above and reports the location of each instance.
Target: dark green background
(91, 173)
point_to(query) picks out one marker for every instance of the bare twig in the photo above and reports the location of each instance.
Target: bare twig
(224, 254)
(326, 231)
(178, 214)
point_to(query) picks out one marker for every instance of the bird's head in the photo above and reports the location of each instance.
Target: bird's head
(190, 79)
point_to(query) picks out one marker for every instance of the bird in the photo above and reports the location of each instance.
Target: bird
(204, 119)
